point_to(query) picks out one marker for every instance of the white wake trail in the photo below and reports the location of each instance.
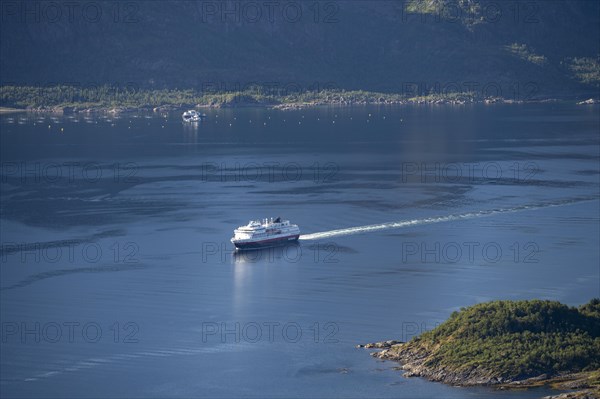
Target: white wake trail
(436, 219)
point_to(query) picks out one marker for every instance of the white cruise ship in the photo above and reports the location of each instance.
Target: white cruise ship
(263, 234)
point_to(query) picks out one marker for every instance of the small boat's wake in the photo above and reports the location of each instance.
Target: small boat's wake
(438, 219)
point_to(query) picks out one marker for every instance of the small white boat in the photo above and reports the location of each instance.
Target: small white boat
(192, 116)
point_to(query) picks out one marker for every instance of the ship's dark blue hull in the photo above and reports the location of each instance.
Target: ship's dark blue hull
(265, 243)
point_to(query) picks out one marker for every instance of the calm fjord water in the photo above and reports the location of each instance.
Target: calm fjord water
(118, 278)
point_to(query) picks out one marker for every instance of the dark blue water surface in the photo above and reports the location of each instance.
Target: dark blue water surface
(118, 278)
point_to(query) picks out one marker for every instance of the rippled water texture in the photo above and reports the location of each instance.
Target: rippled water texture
(115, 241)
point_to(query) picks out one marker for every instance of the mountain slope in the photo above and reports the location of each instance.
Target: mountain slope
(393, 46)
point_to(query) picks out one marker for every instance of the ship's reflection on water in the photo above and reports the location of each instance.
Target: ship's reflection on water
(290, 252)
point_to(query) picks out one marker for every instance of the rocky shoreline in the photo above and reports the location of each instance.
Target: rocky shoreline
(162, 109)
(383, 101)
(412, 362)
